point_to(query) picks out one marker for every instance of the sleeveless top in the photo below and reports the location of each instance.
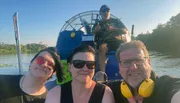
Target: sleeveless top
(96, 96)
(10, 91)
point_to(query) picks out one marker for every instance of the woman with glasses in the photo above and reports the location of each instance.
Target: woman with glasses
(82, 89)
(30, 88)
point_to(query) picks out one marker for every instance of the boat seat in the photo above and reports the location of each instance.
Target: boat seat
(67, 41)
(112, 69)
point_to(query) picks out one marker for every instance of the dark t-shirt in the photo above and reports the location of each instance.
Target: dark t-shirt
(104, 36)
(165, 88)
(103, 33)
(10, 91)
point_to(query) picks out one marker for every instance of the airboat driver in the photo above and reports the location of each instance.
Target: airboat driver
(108, 35)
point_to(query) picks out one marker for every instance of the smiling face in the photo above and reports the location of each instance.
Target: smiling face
(42, 66)
(139, 68)
(82, 75)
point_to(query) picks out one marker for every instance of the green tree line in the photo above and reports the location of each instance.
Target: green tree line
(27, 48)
(165, 38)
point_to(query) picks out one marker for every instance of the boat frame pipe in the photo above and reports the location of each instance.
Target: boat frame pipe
(17, 38)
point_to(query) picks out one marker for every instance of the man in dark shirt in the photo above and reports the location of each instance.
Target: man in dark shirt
(108, 34)
(139, 84)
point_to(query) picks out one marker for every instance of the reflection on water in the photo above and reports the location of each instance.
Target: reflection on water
(161, 64)
(167, 65)
(9, 63)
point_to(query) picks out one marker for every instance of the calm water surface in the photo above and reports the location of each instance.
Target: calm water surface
(161, 64)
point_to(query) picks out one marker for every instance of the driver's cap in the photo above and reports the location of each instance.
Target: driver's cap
(104, 8)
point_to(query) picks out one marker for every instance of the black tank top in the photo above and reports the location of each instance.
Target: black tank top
(96, 96)
(10, 91)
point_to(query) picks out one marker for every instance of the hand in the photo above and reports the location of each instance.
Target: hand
(97, 28)
(119, 37)
(109, 28)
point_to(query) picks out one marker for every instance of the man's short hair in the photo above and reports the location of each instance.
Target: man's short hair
(132, 44)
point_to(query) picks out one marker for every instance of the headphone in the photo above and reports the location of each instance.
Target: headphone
(145, 89)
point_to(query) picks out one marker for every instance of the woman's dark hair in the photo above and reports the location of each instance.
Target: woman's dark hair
(56, 57)
(80, 48)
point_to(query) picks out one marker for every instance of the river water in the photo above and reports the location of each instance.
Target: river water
(161, 64)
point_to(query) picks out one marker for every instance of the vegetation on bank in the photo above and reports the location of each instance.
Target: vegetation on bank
(165, 38)
(28, 48)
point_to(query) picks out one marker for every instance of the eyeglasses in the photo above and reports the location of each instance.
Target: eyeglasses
(79, 64)
(127, 63)
(41, 60)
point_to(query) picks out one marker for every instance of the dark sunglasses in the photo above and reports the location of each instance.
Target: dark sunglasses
(41, 60)
(79, 64)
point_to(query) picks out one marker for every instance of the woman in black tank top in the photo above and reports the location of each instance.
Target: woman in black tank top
(30, 88)
(82, 89)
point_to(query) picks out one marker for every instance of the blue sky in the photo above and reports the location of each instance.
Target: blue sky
(41, 20)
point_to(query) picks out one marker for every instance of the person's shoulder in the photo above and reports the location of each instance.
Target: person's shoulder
(108, 89)
(55, 89)
(108, 95)
(53, 95)
(118, 22)
(115, 20)
(168, 83)
(167, 78)
(10, 79)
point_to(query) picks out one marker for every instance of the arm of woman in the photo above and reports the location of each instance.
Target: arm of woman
(108, 96)
(54, 95)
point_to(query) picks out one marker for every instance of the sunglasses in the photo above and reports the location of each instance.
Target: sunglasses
(79, 64)
(41, 60)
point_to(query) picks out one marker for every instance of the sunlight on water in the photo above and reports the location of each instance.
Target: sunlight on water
(165, 65)
(161, 64)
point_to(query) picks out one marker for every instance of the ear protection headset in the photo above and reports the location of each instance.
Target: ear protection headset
(145, 89)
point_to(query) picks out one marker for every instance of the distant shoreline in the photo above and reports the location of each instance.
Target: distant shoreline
(28, 48)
